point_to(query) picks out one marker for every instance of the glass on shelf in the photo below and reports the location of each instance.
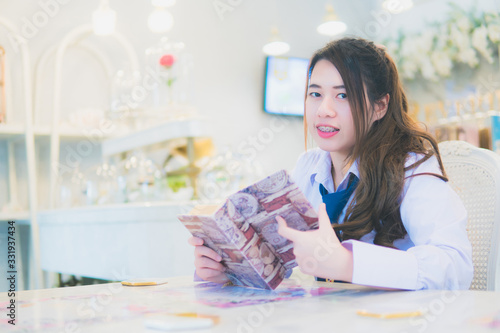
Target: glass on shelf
(69, 189)
(225, 174)
(440, 123)
(144, 180)
(99, 185)
(468, 130)
(487, 122)
(120, 195)
(127, 97)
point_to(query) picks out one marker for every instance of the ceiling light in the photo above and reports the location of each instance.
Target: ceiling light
(276, 46)
(104, 19)
(397, 6)
(163, 3)
(331, 26)
(160, 20)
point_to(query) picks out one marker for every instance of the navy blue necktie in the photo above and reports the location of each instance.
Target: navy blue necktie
(335, 203)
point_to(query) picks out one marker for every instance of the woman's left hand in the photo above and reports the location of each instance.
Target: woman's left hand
(319, 252)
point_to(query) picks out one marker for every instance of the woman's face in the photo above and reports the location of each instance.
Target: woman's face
(328, 114)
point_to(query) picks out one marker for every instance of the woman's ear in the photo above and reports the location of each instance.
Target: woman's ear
(381, 107)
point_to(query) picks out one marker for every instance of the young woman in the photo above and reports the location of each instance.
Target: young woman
(389, 217)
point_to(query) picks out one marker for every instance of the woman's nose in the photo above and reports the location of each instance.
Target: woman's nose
(327, 108)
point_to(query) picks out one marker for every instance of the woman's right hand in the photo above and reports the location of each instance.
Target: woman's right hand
(207, 262)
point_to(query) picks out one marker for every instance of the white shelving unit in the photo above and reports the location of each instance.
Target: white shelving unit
(27, 131)
(12, 132)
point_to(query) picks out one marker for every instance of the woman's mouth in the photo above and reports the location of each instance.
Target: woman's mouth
(326, 131)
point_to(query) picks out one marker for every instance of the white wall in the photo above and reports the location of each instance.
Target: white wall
(229, 64)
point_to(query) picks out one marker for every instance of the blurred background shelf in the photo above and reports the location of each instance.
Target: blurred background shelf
(69, 132)
(11, 131)
(17, 131)
(160, 133)
(21, 217)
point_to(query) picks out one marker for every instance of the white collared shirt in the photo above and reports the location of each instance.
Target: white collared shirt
(436, 252)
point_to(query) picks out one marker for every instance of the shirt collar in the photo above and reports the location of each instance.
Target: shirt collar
(321, 173)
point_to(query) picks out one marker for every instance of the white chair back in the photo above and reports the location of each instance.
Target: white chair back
(474, 173)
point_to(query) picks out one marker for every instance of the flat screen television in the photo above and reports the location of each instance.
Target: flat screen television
(285, 84)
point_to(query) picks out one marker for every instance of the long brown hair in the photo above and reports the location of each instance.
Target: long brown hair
(382, 149)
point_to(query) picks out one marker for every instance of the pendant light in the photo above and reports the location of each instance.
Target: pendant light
(104, 19)
(331, 26)
(397, 6)
(163, 3)
(161, 20)
(276, 46)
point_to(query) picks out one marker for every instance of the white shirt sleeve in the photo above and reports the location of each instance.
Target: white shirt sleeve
(435, 220)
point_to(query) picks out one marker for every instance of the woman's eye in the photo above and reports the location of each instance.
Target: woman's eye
(342, 96)
(314, 94)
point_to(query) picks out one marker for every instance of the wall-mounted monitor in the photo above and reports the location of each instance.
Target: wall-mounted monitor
(285, 85)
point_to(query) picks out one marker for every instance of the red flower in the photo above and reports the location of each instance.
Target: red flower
(167, 60)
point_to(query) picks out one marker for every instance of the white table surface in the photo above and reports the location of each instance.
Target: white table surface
(116, 308)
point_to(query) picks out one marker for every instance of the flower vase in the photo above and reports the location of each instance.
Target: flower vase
(169, 65)
(168, 73)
